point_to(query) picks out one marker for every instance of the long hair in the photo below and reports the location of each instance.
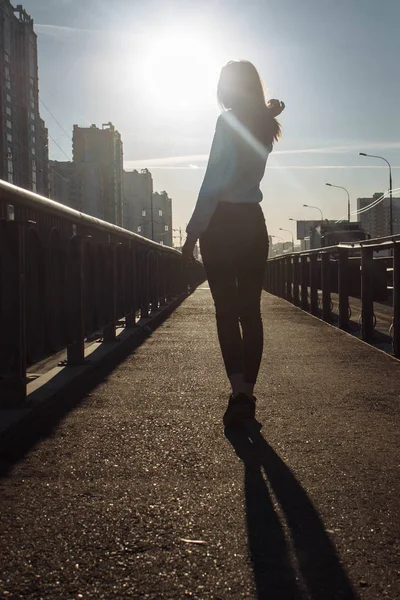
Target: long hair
(240, 89)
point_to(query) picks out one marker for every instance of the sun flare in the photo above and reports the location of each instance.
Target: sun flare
(179, 70)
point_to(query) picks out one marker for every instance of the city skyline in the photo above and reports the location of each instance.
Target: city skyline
(97, 50)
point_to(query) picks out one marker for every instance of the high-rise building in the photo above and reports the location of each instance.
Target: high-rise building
(162, 217)
(23, 135)
(146, 212)
(100, 153)
(376, 220)
(78, 185)
(138, 190)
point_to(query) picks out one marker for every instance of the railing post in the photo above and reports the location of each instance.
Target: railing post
(396, 300)
(155, 282)
(314, 283)
(274, 278)
(168, 271)
(295, 271)
(288, 277)
(163, 280)
(136, 279)
(303, 281)
(279, 278)
(109, 331)
(76, 349)
(13, 315)
(367, 304)
(129, 278)
(145, 282)
(129, 287)
(343, 288)
(270, 276)
(326, 286)
(266, 276)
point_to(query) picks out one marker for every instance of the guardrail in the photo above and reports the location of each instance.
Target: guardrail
(308, 279)
(65, 276)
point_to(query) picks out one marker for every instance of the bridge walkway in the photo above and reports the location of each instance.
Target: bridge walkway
(138, 493)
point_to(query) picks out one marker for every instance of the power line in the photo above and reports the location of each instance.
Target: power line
(373, 204)
(58, 123)
(362, 210)
(38, 159)
(58, 146)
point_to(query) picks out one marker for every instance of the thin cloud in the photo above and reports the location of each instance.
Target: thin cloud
(340, 149)
(56, 30)
(65, 31)
(130, 165)
(190, 161)
(165, 168)
(167, 162)
(313, 167)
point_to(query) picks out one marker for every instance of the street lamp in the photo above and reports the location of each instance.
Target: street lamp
(390, 187)
(316, 208)
(348, 197)
(288, 231)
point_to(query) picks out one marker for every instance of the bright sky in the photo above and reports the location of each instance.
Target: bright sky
(151, 67)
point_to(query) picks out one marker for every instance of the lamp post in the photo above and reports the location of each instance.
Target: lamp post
(288, 231)
(348, 197)
(316, 208)
(294, 221)
(390, 187)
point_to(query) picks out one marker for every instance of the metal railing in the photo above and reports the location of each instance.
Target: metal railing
(65, 276)
(309, 278)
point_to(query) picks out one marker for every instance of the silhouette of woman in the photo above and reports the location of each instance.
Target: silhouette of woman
(230, 224)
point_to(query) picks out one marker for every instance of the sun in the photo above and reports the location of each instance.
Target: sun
(179, 70)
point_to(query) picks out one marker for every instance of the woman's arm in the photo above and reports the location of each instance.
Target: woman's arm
(214, 181)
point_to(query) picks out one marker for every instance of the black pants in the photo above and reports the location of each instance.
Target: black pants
(234, 249)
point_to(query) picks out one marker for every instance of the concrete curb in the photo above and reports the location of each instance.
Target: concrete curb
(46, 393)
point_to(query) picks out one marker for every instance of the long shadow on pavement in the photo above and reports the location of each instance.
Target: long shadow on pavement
(292, 558)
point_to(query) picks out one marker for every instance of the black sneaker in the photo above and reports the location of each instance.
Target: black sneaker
(240, 408)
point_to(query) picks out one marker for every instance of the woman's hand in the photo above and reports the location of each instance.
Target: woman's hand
(275, 107)
(187, 251)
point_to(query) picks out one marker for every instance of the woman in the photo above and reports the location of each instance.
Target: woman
(230, 224)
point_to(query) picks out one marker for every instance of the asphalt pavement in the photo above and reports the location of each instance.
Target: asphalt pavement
(137, 492)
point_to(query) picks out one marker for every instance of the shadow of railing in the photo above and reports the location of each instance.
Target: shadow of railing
(291, 553)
